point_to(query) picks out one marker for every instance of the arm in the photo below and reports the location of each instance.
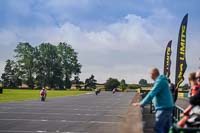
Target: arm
(155, 90)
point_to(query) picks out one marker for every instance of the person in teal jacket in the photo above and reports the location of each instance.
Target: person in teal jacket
(162, 100)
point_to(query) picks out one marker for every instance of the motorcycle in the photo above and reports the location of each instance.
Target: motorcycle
(97, 91)
(43, 98)
(114, 90)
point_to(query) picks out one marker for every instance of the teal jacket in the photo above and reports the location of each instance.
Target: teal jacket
(160, 94)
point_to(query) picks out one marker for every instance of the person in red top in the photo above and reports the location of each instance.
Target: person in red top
(194, 93)
(194, 115)
(43, 94)
(193, 84)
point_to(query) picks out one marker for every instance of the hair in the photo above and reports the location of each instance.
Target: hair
(192, 76)
(156, 71)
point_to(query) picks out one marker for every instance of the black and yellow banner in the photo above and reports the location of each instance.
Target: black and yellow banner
(181, 64)
(167, 60)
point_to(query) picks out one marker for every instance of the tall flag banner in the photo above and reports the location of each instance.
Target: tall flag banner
(181, 64)
(167, 60)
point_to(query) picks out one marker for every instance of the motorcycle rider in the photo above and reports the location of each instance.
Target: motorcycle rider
(43, 94)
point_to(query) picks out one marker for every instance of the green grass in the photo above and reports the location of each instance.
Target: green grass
(11, 95)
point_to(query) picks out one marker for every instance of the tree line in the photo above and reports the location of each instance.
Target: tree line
(52, 66)
(44, 65)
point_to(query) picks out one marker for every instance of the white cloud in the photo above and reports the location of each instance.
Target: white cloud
(124, 49)
(131, 73)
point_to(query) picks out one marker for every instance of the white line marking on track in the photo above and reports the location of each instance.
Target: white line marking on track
(44, 120)
(109, 110)
(75, 109)
(63, 107)
(14, 131)
(10, 131)
(29, 113)
(66, 121)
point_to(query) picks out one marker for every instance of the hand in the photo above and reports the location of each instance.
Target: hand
(136, 104)
(182, 114)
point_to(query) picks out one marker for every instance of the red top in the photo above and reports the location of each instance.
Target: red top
(42, 92)
(194, 90)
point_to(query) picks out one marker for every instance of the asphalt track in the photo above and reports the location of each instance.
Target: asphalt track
(76, 114)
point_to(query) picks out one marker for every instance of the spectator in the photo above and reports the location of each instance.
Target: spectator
(192, 83)
(191, 115)
(162, 100)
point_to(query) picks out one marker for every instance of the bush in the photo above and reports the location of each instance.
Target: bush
(134, 86)
(123, 85)
(143, 82)
(111, 83)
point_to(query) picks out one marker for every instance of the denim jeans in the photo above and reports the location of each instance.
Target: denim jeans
(163, 120)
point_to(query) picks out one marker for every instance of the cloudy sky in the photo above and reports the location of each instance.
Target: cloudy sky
(114, 38)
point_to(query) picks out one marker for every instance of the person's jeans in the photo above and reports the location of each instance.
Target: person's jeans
(163, 120)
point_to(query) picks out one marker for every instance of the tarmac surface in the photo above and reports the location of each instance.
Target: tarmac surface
(76, 114)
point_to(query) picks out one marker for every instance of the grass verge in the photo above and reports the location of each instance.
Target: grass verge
(12, 95)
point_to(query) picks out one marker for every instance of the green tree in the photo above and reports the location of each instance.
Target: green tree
(90, 82)
(111, 83)
(48, 64)
(25, 55)
(9, 77)
(143, 82)
(123, 85)
(44, 65)
(134, 86)
(69, 61)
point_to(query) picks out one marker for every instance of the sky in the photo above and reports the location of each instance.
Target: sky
(122, 39)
